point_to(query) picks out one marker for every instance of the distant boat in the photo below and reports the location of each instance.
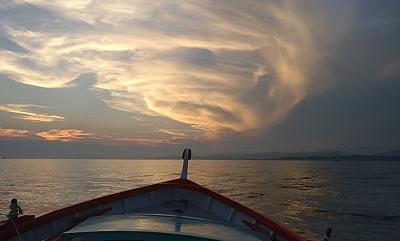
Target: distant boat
(337, 159)
(178, 209)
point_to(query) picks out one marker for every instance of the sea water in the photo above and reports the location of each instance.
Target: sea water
(359, 200)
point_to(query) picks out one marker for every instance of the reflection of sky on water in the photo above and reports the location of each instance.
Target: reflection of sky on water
(307, 196)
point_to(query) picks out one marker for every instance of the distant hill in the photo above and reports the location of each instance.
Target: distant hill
(69, 150)
(271, 155)
(316, 155)
(389, 153)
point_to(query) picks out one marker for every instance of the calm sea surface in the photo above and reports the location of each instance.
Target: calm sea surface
(359, 200)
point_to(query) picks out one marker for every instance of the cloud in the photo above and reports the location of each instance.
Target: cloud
(81, 136)
(73, 135)
(219, 66)
(65, 135)
(144, 141)
(180, 133)
(13, 133)
(25, 112)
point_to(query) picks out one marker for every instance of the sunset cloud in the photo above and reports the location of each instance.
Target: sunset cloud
(218, 66)
(13, 133)
(222, 75)
(73, 135)
(65, 135)
(81, 136)
(24, 112)
(212, 65)
(144, 141)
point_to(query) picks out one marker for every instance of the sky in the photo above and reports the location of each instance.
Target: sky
(136, 78)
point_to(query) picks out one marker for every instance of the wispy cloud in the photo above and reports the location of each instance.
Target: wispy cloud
(25, 112)
(65, 135)
(81, 136)
(219, 66)
(144, 141)
(179, 135)
(14, 133)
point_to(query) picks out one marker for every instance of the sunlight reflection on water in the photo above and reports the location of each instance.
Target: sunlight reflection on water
(358, 199)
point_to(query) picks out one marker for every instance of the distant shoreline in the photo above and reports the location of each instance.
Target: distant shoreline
(283, 158)
(345, 158)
